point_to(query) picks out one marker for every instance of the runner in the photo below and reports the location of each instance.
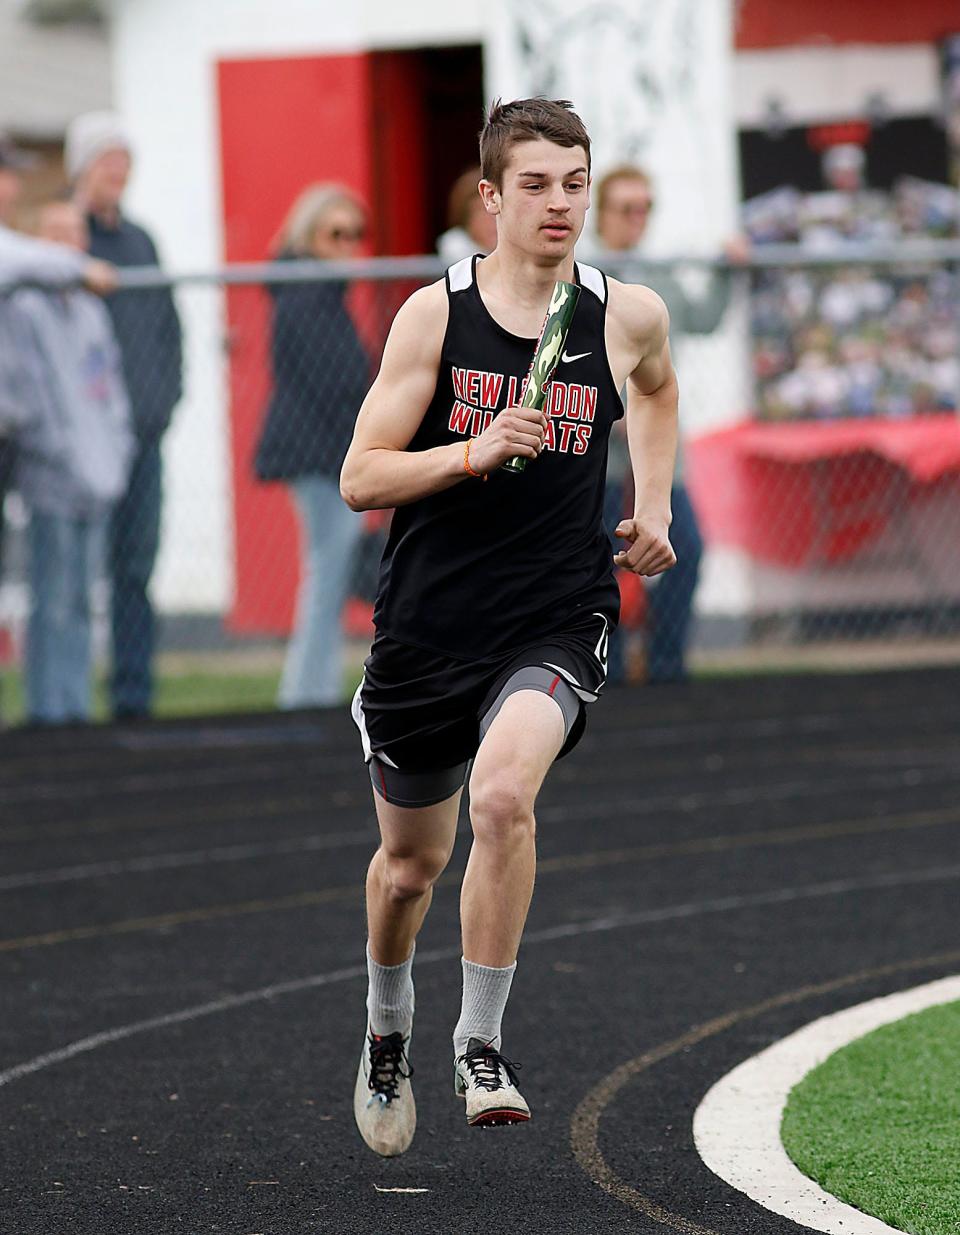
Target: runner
(497, 594)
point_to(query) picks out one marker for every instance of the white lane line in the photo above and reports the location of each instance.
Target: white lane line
(193, 857)
(737, 1125)
(566, 930)
(686, 803)
(745, 795)
(611, 738)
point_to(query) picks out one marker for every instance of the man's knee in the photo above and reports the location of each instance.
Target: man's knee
(501, 809)
(413, 875)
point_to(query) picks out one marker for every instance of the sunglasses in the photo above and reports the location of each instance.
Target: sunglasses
(347, 233)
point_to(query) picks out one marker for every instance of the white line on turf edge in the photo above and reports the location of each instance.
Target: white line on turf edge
(737, 1125)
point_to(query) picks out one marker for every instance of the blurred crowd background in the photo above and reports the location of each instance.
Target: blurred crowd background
(854, 340)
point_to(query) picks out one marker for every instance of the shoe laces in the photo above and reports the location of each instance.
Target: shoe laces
(487, 1067)
(388, 1066)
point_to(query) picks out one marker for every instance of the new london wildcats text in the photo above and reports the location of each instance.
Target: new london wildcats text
(570, 407)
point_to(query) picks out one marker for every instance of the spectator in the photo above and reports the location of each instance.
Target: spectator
(98, 162)
(624, 201)
(24, 259)
(75, 445)
(321, 372)
(471, 229)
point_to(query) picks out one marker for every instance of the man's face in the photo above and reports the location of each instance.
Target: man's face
(543, 201)
(105, 180)
(625, 214)
(63, 223)
(9, 193)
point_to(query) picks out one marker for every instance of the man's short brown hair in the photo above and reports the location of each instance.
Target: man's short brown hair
(524, 120)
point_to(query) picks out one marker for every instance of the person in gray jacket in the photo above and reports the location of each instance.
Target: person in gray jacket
(624, 201)
(75, 446)
(24, 259)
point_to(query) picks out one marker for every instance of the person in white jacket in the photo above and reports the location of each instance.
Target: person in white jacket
(471, 229)
(75, 445)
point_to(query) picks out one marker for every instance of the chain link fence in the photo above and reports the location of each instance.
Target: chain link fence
(821, 462)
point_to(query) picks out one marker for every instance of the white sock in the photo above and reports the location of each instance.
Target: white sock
(485, 992)
(390, 998)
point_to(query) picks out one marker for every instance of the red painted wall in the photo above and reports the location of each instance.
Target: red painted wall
(284, 123)
(398, 157)
(784, 23)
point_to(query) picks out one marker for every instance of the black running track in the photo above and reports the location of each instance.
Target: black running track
(182, 959)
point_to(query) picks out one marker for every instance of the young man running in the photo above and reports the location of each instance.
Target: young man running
(497, 593)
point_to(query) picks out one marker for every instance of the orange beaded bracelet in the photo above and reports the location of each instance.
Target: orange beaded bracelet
(466, 463)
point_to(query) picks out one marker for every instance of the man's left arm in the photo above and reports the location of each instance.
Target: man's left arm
(652, 439)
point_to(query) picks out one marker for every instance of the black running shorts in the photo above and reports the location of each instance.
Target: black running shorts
(422, 715)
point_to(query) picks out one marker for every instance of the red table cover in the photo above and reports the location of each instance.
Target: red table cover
(805, 492)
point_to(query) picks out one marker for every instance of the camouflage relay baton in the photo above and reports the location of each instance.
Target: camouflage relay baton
(546, 356)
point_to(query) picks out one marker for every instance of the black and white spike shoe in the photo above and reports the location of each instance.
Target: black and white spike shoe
(487, 1080)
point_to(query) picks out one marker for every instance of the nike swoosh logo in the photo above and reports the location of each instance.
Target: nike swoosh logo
(567, 359)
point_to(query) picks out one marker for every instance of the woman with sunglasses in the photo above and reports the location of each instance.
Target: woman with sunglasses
(321, 372)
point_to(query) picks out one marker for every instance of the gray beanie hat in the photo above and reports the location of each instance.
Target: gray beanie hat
(90, 135)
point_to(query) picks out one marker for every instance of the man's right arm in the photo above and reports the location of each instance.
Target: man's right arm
(25, 259)
(379, 471)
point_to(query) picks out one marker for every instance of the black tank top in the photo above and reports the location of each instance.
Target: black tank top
(485, 567)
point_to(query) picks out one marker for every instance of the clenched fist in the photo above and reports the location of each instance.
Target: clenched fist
(514, 431)
(648, 551)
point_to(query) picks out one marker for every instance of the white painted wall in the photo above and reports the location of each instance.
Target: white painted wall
(816, 85)
(652, 82)
(164, 86)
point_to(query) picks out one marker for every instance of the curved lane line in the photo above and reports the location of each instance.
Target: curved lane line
(368, 836)
(562, 863)
(612, 738)
(585, 1121)
(737, 1125)
(584, 1124)
(566, 930)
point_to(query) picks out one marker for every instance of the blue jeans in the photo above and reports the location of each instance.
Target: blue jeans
(134, 540)
(313, 668)
(63, 558)
(671, 599)
(8, 460)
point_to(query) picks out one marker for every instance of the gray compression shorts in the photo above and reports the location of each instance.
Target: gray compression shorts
(418, 789)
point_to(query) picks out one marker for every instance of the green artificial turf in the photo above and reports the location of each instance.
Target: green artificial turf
(878, 1123)
(209, 689)
(192, 693)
